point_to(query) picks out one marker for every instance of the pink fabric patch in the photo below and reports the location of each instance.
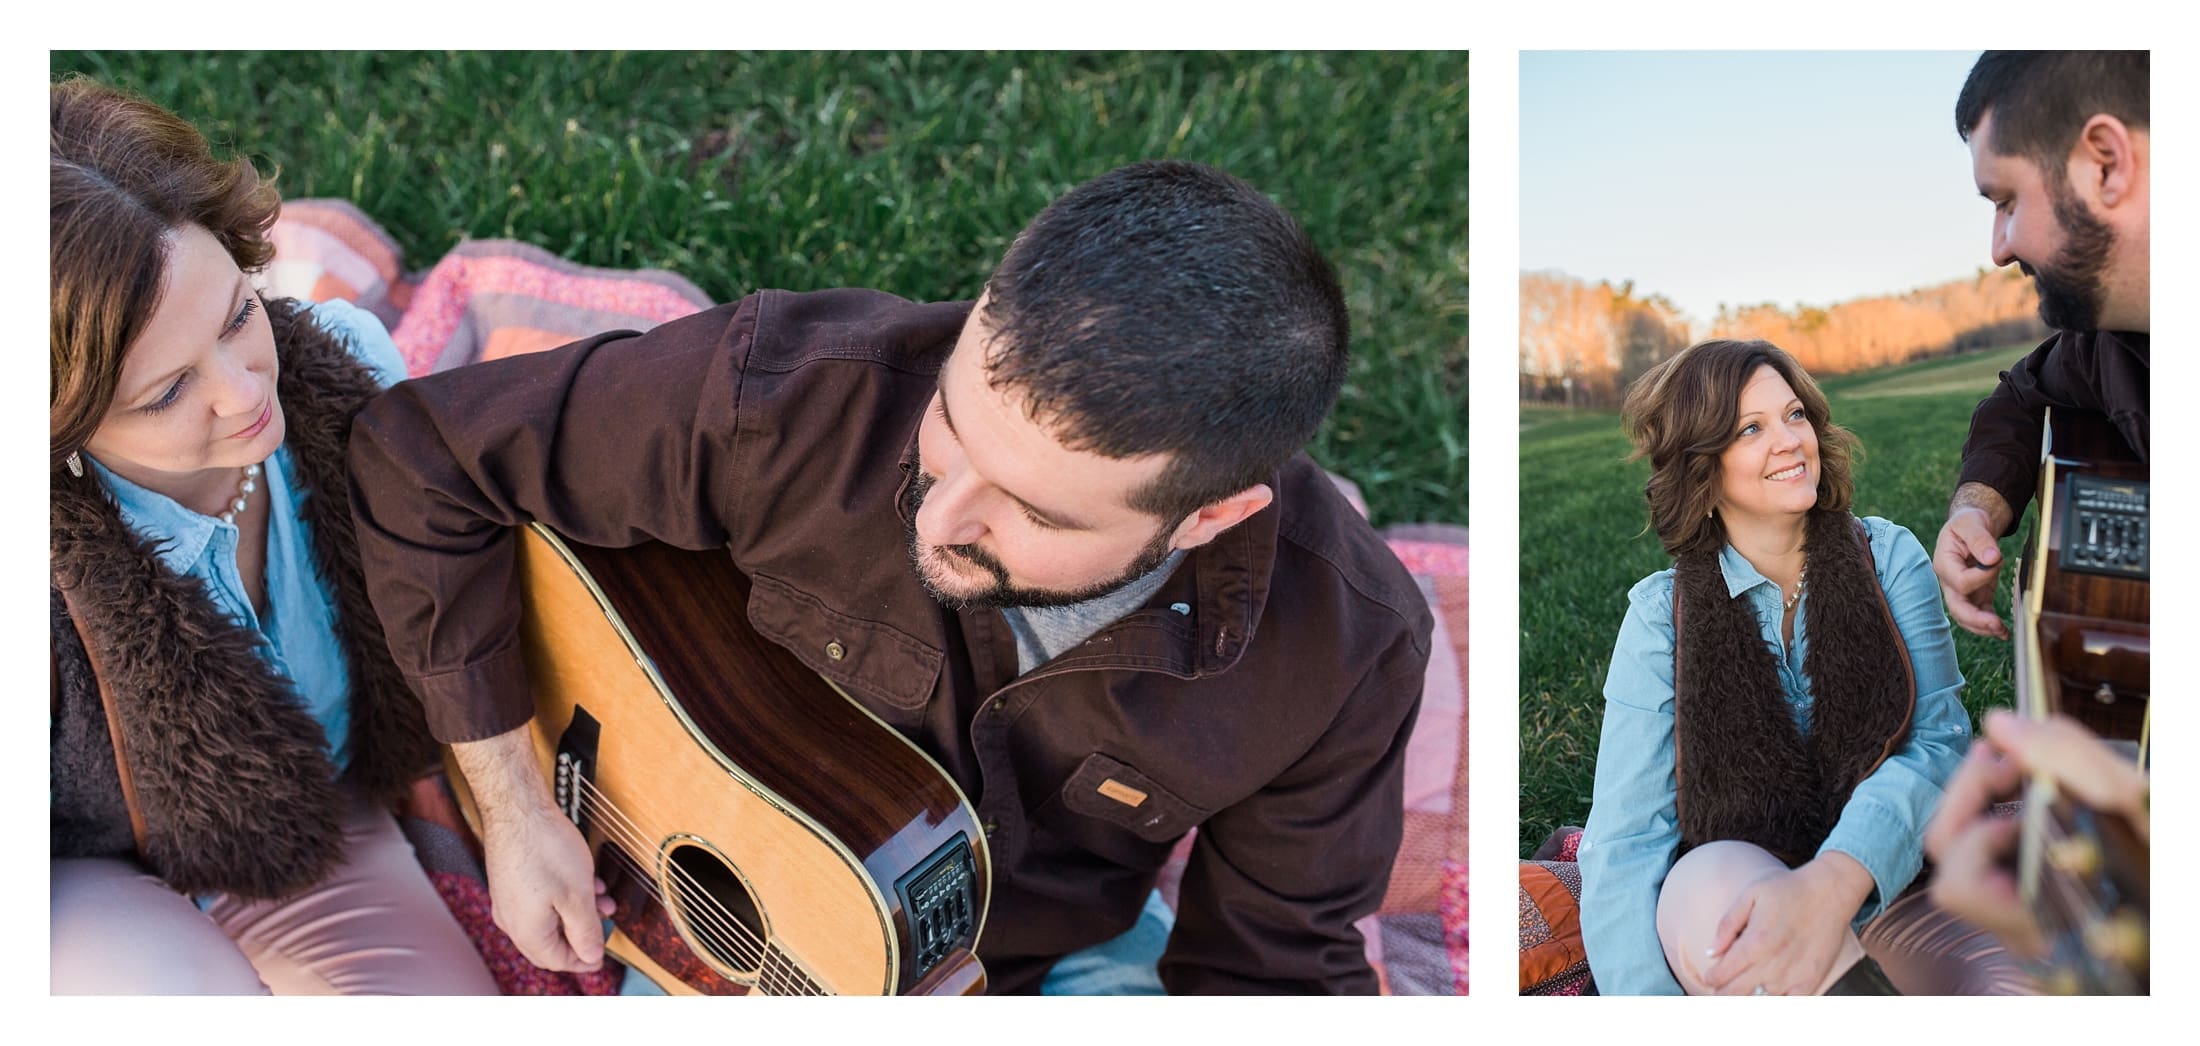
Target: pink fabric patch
(1452, 907)
(468, 900)
(1431, 557)
(440, 303)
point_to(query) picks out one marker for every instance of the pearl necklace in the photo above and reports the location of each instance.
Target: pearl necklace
(244, 494)
(1789, 604)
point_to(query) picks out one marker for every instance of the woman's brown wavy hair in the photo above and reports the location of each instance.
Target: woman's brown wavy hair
(1681, 415)
(125, 174)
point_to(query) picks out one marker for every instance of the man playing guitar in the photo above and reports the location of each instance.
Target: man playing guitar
(1061, 539)
(2059, 146)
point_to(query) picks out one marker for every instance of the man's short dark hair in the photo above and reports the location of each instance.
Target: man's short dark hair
(1167, 307)
(2040, 100)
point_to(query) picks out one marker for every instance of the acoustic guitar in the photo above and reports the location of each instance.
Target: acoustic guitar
(2081, 649)
(759, 830)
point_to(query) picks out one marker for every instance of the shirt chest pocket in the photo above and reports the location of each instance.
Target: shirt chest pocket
(1110, 790)
(875, 662)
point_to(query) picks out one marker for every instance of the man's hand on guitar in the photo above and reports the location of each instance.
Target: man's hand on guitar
(1973, 848)
(1968, 559)
(542, 890)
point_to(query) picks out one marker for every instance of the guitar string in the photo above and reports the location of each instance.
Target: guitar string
(765, 979)
(630, 834)
(727, 928)
(728, 925)
(649, 885)
(2078, 904)
(765, 975)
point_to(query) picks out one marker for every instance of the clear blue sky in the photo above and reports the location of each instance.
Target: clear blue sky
(1746, 177)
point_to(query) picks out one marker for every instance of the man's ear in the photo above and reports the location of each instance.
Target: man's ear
(2109, 157)
(1208, 523)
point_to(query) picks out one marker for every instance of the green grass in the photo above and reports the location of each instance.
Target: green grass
(1967, 373)
(904, 172)
(1584, 542)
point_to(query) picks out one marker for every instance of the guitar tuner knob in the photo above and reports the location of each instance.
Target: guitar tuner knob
(2120, 938)
(2078, 856)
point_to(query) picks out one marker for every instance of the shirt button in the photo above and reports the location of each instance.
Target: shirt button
(835, 651)
(1181, 608)
(989, 828)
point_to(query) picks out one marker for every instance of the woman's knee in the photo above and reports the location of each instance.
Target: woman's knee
(1710, 877)
(119, 931)
(1699, 890)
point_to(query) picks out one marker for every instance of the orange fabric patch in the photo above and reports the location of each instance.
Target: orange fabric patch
(1544, 898)
(518, 341)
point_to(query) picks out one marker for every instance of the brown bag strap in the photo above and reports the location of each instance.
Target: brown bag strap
(114, 726)
(1676, 691)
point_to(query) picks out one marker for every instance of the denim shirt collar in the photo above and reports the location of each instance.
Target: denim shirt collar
(1741, 576)
(185, 534)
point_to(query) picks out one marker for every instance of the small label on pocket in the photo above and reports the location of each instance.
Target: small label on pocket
(1122, 793)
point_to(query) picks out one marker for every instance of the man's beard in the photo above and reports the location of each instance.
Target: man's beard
(1002, 593)
(2070, 284)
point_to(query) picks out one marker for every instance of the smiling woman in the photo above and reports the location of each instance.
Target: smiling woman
(196, 398)
(1765, 773)
(226, 719)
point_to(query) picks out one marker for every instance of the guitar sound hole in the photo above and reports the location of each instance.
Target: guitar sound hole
(715, 909)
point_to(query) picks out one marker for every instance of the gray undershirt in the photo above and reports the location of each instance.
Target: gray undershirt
(1042, 633)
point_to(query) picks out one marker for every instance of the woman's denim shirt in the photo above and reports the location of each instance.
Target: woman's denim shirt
(299, 629)
(1633, 831)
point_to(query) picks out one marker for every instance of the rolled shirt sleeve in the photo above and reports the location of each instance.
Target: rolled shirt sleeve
(2091, 372)
(1883, 824)
(1633, 830)
(2002, 449)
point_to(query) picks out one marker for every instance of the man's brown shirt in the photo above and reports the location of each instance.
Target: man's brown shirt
(1264, 695)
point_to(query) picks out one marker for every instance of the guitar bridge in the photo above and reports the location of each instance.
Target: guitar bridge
(576, 757)
(939, 901)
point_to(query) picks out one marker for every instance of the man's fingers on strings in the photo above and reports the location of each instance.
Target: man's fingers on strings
(2090, 770)
(583, 932)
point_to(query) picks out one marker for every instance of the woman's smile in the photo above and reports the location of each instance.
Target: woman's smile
(259, 422)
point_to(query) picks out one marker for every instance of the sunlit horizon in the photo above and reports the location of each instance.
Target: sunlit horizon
(1745, 178)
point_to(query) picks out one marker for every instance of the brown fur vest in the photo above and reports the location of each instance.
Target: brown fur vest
(1744, 770)
(238, 792)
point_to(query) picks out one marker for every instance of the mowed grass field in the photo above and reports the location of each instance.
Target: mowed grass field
(908, 173)
(1584, 542)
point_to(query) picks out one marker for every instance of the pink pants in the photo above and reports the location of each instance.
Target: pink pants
(1923, 949)
(374, 926)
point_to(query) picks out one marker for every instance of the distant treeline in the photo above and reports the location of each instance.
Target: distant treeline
(1582, 343)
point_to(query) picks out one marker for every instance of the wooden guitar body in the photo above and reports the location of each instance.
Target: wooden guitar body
(760, 831)
(2088, 577)
(2080, 645)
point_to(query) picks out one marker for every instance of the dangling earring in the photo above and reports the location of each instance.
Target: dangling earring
(76, 465)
